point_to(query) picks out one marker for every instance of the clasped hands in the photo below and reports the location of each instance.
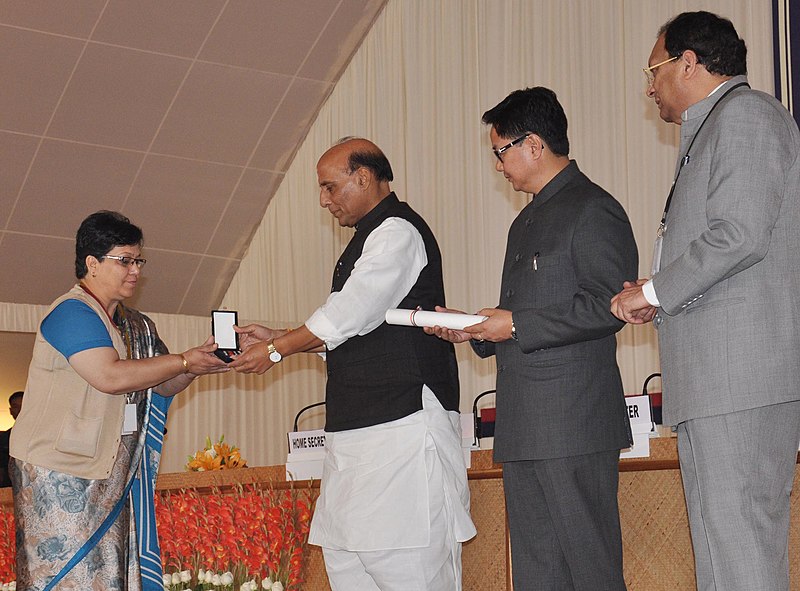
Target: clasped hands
(631, 306)
(496, 328)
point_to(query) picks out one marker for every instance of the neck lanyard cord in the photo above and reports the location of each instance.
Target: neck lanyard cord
(685, 159)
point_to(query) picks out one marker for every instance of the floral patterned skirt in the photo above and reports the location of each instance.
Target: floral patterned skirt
(56, 513)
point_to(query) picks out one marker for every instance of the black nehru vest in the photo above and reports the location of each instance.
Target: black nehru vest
(378, 377)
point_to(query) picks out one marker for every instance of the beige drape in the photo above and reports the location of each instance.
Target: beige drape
(417, 87)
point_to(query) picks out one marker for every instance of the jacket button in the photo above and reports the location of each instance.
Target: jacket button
(509, 293)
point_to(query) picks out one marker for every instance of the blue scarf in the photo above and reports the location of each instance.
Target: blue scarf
(143, 491)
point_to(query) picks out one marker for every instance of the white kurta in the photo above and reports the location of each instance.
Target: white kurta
(375, 491)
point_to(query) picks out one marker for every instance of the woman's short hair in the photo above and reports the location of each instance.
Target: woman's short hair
(99, 233)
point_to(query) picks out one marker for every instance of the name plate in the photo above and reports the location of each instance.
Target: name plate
(641, 418)
(306, 455)
(301, 442)
(639, 414)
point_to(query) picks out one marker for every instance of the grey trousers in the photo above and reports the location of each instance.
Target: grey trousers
(738, 470)
(564, 522)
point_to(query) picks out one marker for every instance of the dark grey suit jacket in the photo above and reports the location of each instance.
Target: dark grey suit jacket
(559, 391)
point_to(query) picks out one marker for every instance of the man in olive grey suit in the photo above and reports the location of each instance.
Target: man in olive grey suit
(725, 298)
(561, 416)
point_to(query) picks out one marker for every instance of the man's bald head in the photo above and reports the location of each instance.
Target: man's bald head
(354, 177)
(360, 152)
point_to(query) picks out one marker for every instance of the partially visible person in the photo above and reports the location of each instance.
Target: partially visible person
(723, 296)
(561, 415)
(86, 446)
(14, 406)
(394, 503)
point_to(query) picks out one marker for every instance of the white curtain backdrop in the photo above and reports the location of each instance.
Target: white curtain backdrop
(418, 86)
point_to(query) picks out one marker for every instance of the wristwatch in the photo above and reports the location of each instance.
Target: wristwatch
(514, 331)
(274, 355)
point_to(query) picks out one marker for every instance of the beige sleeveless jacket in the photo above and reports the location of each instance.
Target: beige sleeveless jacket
(65, 424)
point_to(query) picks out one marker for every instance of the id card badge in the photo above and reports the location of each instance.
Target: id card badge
(657, 247)
(129, 423)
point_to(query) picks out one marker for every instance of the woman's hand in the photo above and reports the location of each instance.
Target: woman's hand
(202, 361)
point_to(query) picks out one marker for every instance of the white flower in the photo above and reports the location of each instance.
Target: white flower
(12, 586)
(227, 578)
(216, 580)
(209, 577)
(176, 578)
(266, 584)
(201, 574)
(186, 576)
(248, 586)
(277, 586)
(166, 579)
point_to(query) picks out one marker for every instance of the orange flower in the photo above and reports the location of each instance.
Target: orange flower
(253, 531)
(216, 456)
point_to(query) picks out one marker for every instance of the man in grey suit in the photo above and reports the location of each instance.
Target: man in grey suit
(561, 416)
(724, 298)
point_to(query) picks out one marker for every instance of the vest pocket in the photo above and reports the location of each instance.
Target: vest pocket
(79, 436)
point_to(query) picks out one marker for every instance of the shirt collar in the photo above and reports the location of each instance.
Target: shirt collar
(565, 175)
(376, 211)
(701, 108)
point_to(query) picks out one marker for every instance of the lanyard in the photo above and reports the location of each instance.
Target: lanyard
(685, 160)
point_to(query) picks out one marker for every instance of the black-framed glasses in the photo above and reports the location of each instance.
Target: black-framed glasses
(125, 261)
(499, 151)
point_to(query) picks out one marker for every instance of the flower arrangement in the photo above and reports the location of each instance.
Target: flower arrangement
(209, 580)
(250, 539)
(216, 456)
(253, 537)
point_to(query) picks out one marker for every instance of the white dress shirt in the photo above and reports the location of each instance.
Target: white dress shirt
(390, 263)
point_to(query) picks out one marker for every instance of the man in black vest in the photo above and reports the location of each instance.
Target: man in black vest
(394, 503)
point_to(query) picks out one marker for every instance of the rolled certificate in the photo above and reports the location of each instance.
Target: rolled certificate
(423, 318)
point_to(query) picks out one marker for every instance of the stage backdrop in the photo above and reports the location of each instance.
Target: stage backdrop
(418, 86)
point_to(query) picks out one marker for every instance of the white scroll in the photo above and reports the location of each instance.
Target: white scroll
(423, 318)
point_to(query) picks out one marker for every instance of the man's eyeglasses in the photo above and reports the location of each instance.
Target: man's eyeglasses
(499, 151)
(649, 73)
(125, 261)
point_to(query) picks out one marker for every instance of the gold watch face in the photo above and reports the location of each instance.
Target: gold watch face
(274, 355)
